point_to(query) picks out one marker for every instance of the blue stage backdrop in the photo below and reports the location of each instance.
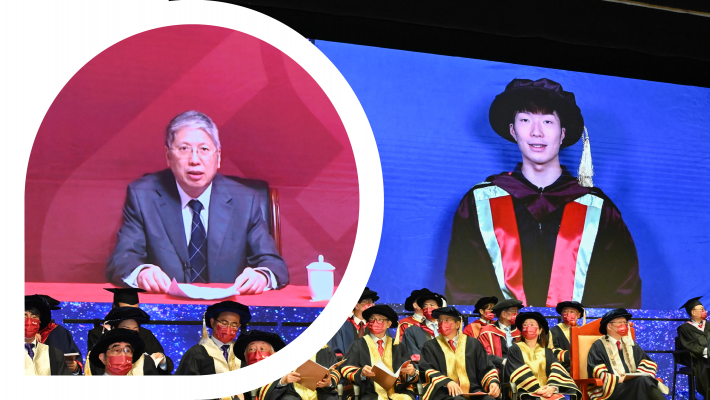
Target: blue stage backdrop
(429, 114)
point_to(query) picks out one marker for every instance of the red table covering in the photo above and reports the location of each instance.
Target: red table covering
(290, 296)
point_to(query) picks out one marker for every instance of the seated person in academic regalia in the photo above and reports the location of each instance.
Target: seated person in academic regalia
(484, 307)
(213, 354)
(615, 355)
(120, 352)
(454, 363)
(128, 297)
(375, 346)
(415, 337)
(571, 311)
(40, 359)
(355, 326)
(532, 365)
(255, 346)
(693, 336)
(132, 318)
(417, 319)
(500, 336)
(59, 337)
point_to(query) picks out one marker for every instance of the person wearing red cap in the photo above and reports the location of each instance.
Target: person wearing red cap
(538, 234)
(377, 346)
(484, 308)
(626, 371)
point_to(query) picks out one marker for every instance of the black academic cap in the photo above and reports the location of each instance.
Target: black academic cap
(409, 303)
(450, 311)
(541, 321)
(574, 304)
(506, 304)
(38, 302)
(430, 296)
(690, 304)
(125, 295)
(53, 303)
(369, 294)
(115, 336)
(228, 306)
(484, 301)
(612, 315)
(118, 314)
(240, 346)
(382, 309)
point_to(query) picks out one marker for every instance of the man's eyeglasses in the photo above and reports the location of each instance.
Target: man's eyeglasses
(373, 319)
(620, 323)
(188, 151)
(117, 349)
(224, 322)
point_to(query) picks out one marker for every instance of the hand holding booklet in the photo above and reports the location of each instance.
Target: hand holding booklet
(312, 372)
(384, 376)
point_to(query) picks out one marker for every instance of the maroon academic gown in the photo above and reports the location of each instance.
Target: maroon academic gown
(612, 278)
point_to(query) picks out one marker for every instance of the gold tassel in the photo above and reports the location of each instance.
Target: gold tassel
(586, 169)
(205, 336)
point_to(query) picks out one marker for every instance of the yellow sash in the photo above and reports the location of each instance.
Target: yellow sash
(220, 364)
(387, 360)
(456, 362)
(304, 392)
(40, 364)
(535, 359)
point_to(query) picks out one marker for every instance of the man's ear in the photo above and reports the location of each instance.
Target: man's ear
(167, 155)
(219, 158)
(102, 357)
(512, 133)
(562, 136)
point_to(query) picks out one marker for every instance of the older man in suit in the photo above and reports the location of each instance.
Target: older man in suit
(193, 224)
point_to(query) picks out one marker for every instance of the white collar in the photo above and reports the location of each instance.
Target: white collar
(217, 342)
(204, 198)
(357, 320)
(418, 318)
(376, 339)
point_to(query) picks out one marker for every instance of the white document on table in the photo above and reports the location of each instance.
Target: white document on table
(197, 292)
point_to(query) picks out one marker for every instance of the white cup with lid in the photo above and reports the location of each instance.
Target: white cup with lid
(321, 280)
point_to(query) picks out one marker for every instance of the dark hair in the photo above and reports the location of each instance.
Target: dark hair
(481, 311)
(505, 309)
(536, 102)
(33, 310)
(542, 340)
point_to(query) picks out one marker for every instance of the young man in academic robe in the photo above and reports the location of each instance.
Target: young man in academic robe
(60, 338)
(538, 234)
(454, 363)
(366, 351)
(132, 318)
(410, 304)
(415, 337)
(693, 336)
(255, 346)
(500, 336)
(615, 355)
(571, 312)
(355, 326)
(484, 307)
(120, 352)
(533, 366)
(213, 354)
(40, 359)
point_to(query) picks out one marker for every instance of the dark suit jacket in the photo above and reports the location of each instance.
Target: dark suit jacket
(153, 232)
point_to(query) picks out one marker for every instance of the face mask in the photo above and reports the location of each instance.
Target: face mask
(119, 365)
(365, 307)
(530, 332)
(622, 330)
(256, 356)
(446, 328)
(377, 327)
(427, 312)
(224, 334)
(31, 327)
(570, 319)
(703, 314)
(512, 319)
(489, 315)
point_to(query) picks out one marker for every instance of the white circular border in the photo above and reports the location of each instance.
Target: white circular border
(49, 43)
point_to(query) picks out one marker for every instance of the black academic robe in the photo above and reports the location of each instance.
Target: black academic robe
(494, 341)
(560, 343)
(362, 353)
(600, 366)
(151, 345)
(518, 369)
(612, 278)
(414, 339)
(57, 365)
(324, 357)
(344, 338)
(60, 338)
(695, 340)
(434, 375)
